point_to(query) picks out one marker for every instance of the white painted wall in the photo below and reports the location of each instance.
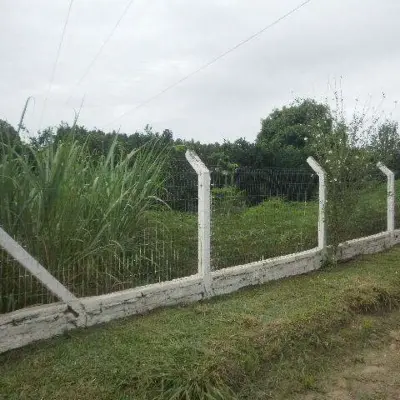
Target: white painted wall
(25, 326)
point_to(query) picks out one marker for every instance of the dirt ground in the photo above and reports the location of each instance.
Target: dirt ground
(370, 375)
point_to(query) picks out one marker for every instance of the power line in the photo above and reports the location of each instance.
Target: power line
(209, 63)
(53, 72)
(105, 42)
(103, 45)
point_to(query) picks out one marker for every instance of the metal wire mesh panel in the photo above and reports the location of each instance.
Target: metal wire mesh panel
(259, 214)
(357, 207)
(18, 288)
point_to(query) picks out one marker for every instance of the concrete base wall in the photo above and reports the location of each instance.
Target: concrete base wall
(22, 327)
(367, 245)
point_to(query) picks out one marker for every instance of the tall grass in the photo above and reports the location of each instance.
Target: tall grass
(83, 218)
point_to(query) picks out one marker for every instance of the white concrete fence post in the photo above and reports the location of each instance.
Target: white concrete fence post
(204, 219)
(16, 251)
(390, 197)
(322, 202)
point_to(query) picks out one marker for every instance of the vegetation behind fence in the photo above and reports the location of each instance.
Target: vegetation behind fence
(106, 212)
(125, 220)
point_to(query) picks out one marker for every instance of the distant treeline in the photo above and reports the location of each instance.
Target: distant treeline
(274, 164)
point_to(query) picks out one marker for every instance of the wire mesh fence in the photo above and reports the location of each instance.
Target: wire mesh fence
(256, 214)
(262, 213)
(18, 288)
(357, 207)
(160, 247)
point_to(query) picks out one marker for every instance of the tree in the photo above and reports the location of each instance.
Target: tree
(8, 135)
(286, 132)
(167, 135)
(291, 126)
(385, 144)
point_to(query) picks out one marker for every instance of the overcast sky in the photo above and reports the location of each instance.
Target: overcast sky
(160, 41)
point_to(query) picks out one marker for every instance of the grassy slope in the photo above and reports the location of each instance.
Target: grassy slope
(256, 340)
(368, 370)
(362, 362)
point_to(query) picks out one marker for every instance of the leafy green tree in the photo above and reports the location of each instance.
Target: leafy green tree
(292, 126)
(385, 144)
(8, 135)
(286, 132)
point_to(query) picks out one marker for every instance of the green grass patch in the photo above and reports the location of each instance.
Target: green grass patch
(217, 349)
(310, 368)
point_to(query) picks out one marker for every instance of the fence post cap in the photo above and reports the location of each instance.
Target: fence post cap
(384, 169)
(315, 166)
(196, 163)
